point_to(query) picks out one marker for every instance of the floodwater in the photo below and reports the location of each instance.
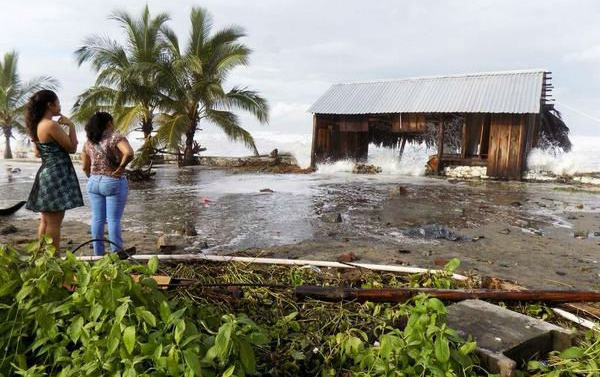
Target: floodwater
(229, 210)
(538, 234)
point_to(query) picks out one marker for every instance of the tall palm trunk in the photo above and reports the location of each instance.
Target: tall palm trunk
(147, 127)
(7, 151)
(188, 154)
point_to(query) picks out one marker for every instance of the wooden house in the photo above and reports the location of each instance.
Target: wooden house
(497, 118)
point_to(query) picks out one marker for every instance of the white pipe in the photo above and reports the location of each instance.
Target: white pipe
(293, 262)
(580, 321)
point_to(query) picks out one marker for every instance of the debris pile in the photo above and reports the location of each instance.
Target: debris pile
(366, 169)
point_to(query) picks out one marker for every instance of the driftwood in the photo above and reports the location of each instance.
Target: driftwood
(140, 175)
(182, 258)
(573, 307)
(10, 210)
(404, 294)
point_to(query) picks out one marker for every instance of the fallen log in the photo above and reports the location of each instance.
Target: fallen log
(592, 311)
(404, 294)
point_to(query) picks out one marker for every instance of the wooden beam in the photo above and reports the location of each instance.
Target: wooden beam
(482, 126)
(333, 293)
(465, 141)
(440, 146)
(313, 161)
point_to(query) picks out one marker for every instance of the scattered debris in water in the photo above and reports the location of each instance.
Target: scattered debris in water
(433, 232)
(366, 169)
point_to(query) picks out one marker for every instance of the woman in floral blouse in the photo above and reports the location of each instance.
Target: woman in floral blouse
(105, 155)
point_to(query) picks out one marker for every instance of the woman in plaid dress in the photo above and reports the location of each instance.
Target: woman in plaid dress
(56, 187)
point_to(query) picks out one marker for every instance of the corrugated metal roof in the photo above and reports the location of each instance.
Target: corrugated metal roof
(517, 92)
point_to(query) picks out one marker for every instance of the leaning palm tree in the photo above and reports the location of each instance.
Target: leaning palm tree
(195, 80)
(128, 79)
(14, 93)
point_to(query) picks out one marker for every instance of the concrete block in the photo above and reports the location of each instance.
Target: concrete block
(506, 340)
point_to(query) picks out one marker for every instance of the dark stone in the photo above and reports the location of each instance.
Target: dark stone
(516, 204)
(267, 190)
(332, 217)
(433, 232)
(9, 229)
(560, 273)
(404, 251)
(348, 257)
(187, 229)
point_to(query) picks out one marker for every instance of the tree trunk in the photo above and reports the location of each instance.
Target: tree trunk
(188, 155)
(7, 151)
(147, 127)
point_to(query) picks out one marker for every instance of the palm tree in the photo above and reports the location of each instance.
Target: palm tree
(128, 75)
(195, 82)
(14, 93)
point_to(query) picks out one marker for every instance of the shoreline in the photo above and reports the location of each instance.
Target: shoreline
(539, 235)
(286, 163)
(546, 262)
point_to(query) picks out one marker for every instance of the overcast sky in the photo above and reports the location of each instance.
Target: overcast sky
(302, 47)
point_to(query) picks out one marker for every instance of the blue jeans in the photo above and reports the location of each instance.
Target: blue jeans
(107, 196)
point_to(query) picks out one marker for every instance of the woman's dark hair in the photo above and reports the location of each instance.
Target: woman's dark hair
(36, 109)
(96, 125)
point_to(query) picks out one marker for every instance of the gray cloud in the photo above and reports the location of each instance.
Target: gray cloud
(301, 47)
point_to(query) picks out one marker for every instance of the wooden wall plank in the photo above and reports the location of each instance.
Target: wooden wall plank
(507, 145)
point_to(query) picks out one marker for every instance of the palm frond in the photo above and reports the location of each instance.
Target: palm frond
(96, 98)
(247, 100)
(171, 130)
(227, 57)
(127, 117)
(554, 130)
(101, 52)
(201, 27)
(171, 41)
(229, 123)
(14, 93)
(8, 70)
(227, 36)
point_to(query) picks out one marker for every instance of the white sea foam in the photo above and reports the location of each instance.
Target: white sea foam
(583, 158)
(412, 162)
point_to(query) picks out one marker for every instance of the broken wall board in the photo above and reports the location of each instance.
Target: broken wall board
(505, 339)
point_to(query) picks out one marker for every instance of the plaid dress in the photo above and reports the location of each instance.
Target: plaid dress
(56, 187)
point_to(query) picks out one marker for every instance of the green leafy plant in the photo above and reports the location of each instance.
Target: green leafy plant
(65, 317)
(442, 280)
(426, 347)
(582, 360)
